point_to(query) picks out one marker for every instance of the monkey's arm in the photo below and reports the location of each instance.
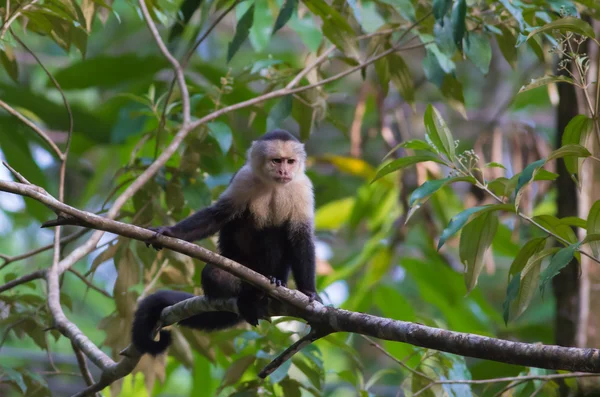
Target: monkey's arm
(201, 224)
(302, 258)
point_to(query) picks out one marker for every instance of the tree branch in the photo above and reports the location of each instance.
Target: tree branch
(527, 354)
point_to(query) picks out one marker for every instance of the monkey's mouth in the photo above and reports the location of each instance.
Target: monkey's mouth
(283, 179)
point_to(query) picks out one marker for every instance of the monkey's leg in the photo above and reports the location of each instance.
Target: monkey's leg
(253, 304)
(217, 284)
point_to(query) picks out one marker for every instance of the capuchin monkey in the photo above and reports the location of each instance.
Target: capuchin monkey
(265, 220)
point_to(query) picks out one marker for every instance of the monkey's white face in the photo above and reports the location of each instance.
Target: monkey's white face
(278, 161)
(281, 169)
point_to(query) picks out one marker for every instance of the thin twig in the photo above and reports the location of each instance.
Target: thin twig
(185, 96)
(34, 127)
(287, 354)
(90, 284)
(14, 16)
(83, 367)
(67, 239)
(22, 280)
(399, 362)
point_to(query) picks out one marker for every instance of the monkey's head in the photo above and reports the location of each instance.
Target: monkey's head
(277, 157)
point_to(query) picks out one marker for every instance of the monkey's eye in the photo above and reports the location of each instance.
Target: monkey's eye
(277, 161)
(291, 161)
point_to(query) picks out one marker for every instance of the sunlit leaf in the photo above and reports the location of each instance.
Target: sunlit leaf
(571, 24)
(475, 239)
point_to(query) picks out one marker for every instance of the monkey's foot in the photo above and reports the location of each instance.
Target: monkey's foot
(252, 310)
(163, 230)
(312, 296)
(277, 282)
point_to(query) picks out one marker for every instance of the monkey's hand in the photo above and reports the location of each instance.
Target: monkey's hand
(164, 230)
(312, 296)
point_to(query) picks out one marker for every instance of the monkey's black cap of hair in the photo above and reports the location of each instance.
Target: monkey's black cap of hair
(278, 135)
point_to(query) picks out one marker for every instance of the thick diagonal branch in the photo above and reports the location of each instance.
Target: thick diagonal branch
(527, 354)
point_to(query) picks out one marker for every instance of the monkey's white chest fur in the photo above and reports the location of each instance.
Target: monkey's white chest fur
(274, 205)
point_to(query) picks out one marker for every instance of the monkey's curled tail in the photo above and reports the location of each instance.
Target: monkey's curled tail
(148, 313)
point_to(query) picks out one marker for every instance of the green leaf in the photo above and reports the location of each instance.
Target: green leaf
(308, 31)
(512, 290)
(494, 164)
(569, 150)
(557, 227)
(222, 134)
(335, 26)
(453, 92)
(260, 32)
(558, 262)
(542, 81)
(440, 8)
(438, 132)
(527, 251)
(116, 70)
(574, 221)
(280, 112)
(528, 174)
(479, 51)
(430, 187)
(285, 14)
(571, 24)
(529, 279)
(459, 220)
(507, 43)
(593, 226)
(236, 370)
(7, 57)
(404, 7)
(404, 162)
(459, 12)
(576, 132)
(242, 31)
(413, 144)
(401, 77)
(475, 239)
(544, 175)
(15, 377)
